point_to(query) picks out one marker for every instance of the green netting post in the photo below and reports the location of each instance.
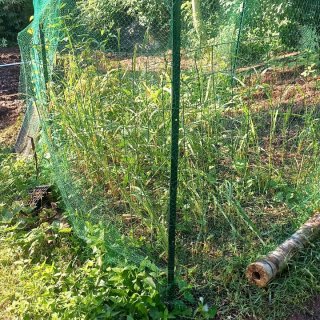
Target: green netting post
(44, 55)
(176, 71)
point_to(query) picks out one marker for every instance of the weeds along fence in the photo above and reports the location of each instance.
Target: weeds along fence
(188, 129)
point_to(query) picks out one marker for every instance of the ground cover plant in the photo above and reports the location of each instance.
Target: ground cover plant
(49, 272)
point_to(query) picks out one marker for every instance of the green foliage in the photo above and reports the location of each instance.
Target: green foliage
(213, 16)
(265, 24)
(129, 20)
(153, 15)
(80, 284)
(14, 16)
(269, 26)
(16, 177)
(307, 14)
(276, 26)
(66, 278)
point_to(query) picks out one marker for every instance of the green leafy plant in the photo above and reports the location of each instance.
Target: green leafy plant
(14, 16)
(80, 283)
(133, 20)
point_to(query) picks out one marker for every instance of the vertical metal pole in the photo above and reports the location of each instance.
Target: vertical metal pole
(176, 71)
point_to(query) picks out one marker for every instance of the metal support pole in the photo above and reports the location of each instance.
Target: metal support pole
(176, 71)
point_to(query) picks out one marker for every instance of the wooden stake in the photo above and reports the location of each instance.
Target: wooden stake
(266, 269)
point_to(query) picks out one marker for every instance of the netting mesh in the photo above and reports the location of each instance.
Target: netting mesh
(97, 77)
(249, 152)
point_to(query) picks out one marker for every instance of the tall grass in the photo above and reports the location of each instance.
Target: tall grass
(242, 152)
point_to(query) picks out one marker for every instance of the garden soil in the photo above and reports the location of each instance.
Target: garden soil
(10, 103)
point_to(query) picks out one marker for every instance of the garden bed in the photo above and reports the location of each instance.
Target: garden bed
(10, 102)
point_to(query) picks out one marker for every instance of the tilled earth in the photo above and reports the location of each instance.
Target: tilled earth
(10, 104)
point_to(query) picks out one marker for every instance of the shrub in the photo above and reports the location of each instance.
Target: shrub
(14, 16)
(125, 23)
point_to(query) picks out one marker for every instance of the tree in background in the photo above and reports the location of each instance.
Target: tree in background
(269, 26)
(14, 16)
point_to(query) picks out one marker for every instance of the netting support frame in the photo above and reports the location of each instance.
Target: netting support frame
(176, 73)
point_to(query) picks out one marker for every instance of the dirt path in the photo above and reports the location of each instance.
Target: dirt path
(10, 105)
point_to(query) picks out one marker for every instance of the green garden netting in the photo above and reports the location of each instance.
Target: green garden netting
(97, 80)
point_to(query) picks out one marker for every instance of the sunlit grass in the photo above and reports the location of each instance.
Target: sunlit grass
(10, 273)
(248, 172)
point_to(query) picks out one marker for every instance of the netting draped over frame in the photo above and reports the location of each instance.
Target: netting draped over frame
(97, 80)
(32, 81)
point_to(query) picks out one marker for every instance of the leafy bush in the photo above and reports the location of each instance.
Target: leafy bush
(265, 23)
(125, 22)
(79, 283)
(275, 26)
(307, 15)
(14, 16)
(66, 278)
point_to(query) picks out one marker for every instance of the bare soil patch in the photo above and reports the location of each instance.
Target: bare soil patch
(311, 312)
(10, 103)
